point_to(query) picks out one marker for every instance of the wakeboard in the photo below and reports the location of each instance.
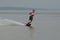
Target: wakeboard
(28, 25)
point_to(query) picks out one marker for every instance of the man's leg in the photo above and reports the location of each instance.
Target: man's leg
(29, 21)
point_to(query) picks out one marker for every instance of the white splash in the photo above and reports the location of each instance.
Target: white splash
(7, 22)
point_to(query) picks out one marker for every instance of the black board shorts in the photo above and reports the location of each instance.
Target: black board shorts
(31, 18)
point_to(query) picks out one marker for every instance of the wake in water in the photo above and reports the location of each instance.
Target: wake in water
(9, 22)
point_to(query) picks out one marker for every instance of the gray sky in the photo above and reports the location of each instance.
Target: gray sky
(31, 3)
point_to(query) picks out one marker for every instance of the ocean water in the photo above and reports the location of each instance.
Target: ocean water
(45, 26)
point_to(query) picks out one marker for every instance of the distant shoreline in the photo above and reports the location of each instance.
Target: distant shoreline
(26, 12)
(39, 11)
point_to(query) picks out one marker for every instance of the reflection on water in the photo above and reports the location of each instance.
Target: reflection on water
(30, 35)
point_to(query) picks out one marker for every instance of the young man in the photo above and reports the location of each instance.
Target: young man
(31, 14)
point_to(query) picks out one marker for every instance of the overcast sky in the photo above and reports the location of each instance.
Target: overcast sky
(31, 3)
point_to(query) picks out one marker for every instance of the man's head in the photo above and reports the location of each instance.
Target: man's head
(33, 10)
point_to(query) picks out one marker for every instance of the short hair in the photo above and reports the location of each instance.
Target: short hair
(33, 10)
